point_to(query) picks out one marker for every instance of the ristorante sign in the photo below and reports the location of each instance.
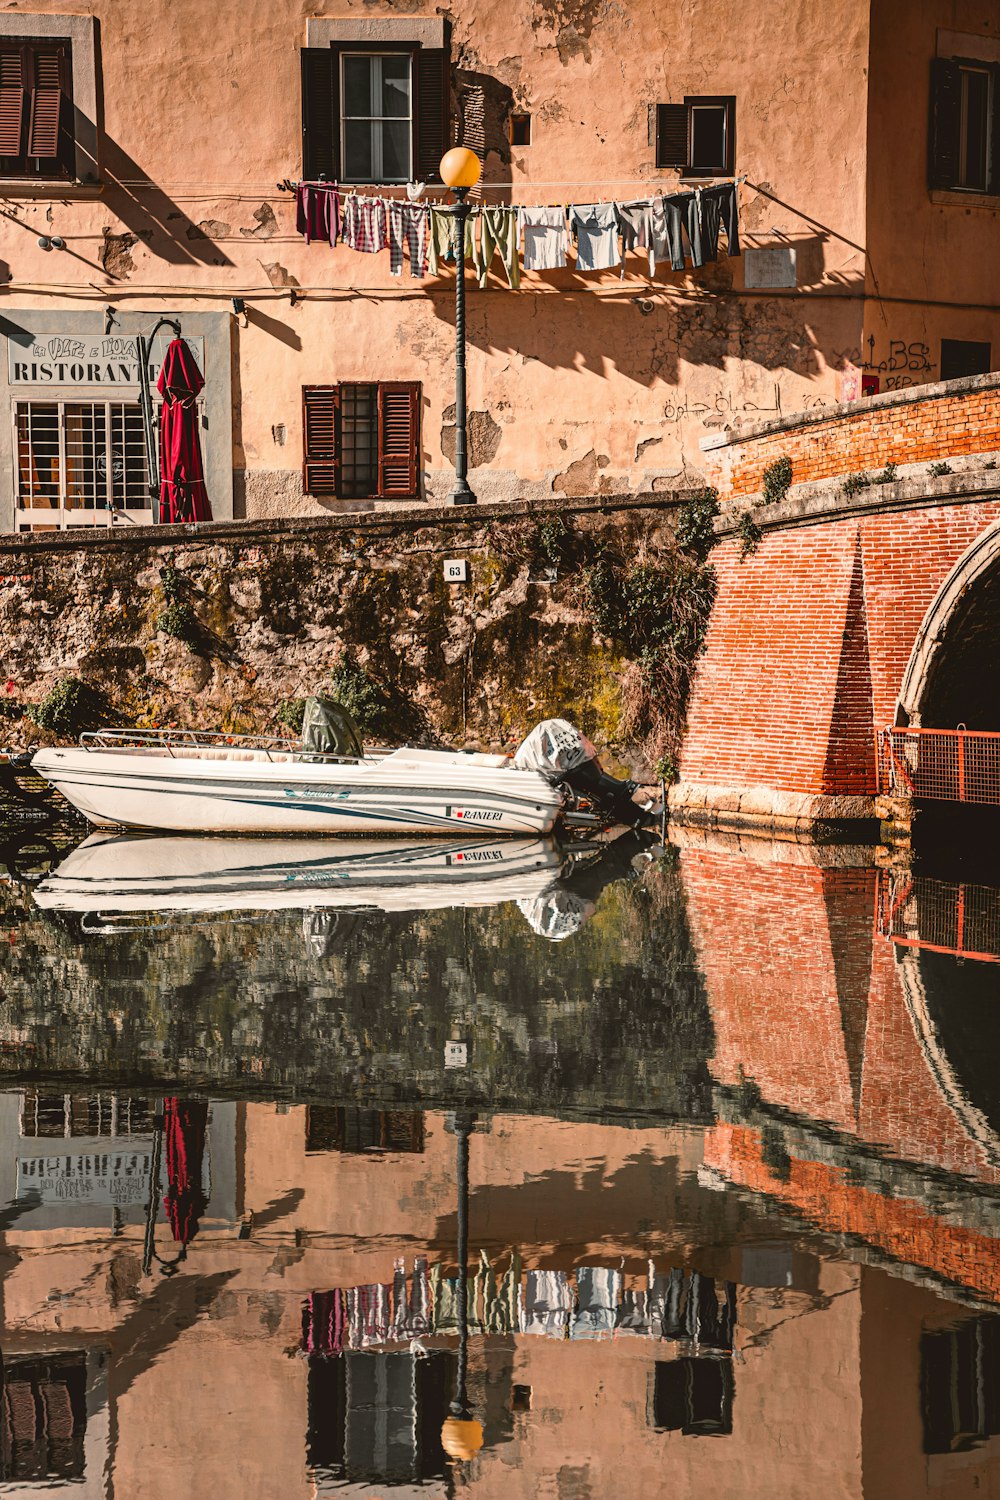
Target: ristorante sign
(111, 361)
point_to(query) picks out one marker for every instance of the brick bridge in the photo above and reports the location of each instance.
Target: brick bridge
(862, 607)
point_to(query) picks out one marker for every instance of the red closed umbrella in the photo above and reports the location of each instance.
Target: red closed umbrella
(183, 496)
(186, 1121)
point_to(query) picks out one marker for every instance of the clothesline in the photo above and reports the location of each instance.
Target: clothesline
(670, 227)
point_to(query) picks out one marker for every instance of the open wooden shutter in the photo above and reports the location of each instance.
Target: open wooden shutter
(320, 113)
(945, 123)
(12, 101)
(398, 439)
(46, 112)
(671, 135)
(321, 439)
(432, 113)
(993, 185)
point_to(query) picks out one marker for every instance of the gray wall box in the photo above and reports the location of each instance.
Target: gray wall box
(17, 325)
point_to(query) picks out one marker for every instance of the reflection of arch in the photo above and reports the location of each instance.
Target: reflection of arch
(963, 593)
(972, 1120)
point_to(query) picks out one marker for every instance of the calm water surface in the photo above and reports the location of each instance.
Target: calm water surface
(730, 1117)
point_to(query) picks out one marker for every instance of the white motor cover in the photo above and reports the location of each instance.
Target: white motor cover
(556, 913)
(554, 747)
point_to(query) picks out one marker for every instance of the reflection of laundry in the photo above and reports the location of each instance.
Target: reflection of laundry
(445, 1301)
(633, 1313)
(498, 1305)
(666, 1304)
(597, 1294)
(547, 1303)
(324, 1322)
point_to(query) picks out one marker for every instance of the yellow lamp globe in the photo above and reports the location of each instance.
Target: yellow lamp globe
(460, 168)
(461, 1437)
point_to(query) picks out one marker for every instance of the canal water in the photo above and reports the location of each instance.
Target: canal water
(716, 1122)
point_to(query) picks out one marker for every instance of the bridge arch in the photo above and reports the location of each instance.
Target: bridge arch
(953, 674)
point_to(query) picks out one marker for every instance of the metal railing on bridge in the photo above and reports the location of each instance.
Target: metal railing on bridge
(946, 765)
(939, 916)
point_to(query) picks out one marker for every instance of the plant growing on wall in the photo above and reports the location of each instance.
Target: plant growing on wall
(71, 707)
(749, 533)
(180, 621)
(940, 469)
(777, 480)
(887, 476)
(854, 484)
(695, 522)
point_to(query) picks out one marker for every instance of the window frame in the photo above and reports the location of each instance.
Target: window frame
(323, 446)
(378, 174)
(948, 143)
(62, 161)
(84, 111)
(690, 104)
(965, 69)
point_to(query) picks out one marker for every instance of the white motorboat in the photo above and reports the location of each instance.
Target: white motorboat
(221, 784)
(188, 782)
(110, 874)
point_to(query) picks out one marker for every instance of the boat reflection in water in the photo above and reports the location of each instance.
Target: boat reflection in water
(113, 876)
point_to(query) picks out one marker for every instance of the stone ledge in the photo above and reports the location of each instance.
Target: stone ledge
(764, 808)
(745, 432)
(824, 500)
(296, 528)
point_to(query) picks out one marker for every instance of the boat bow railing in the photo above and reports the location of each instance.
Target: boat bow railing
(172, 740)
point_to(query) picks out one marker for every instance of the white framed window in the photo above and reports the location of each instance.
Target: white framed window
(78, 463)
(977, 106)
(376, 102)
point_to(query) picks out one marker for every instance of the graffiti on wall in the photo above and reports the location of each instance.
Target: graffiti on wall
(903, 363)
(720, 407)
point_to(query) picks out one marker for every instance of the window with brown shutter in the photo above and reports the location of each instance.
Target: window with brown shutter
(699, 136)
(362, 440)
(964, 139)
(36, 97)
(377, 115)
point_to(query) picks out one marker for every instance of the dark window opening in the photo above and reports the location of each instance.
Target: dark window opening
(36, 109)
(964, 152)
(961, 358)
(375, 117)
(44, 1418)
(377, 1418)
(694, 1397)
(960, 1386)
(362, 440)
(698, 136)
(353, 1130)
(520, 130)
(520, 1398)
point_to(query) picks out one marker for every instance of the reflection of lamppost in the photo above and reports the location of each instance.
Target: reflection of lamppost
(460, 170)
(461, 1434)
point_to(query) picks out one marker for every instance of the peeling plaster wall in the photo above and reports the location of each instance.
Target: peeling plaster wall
(630, 371)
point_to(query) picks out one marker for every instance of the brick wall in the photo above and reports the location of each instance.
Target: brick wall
(901, 427)
(808, 643)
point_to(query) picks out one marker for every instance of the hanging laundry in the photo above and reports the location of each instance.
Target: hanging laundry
(317, 211)
(719, 208)
(597, 1293)
(635, 225)
(409, 230)
(363, 224)
(442, 238)
(692, 224)
(547, 1304)
(667, 223)
(498, 232)
(595, 226)
(546, 241)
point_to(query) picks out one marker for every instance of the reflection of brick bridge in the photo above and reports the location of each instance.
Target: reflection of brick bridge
(862, 609)
(848, 1082)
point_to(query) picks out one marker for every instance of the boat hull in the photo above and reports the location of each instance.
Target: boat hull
(434, 793)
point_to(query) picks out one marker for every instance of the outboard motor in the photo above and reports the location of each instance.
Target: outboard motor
(566, 757)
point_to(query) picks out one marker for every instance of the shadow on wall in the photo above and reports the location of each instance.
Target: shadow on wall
(152, 216)
(646, 338)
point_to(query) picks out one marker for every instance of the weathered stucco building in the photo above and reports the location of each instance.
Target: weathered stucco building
(152, 154)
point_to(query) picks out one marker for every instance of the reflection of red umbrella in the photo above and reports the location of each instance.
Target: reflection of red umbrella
(183, 496)
(185, 1122)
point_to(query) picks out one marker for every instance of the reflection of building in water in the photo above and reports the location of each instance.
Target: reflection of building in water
(196, 1381)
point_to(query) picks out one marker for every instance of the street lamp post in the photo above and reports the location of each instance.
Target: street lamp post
(460, 170)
